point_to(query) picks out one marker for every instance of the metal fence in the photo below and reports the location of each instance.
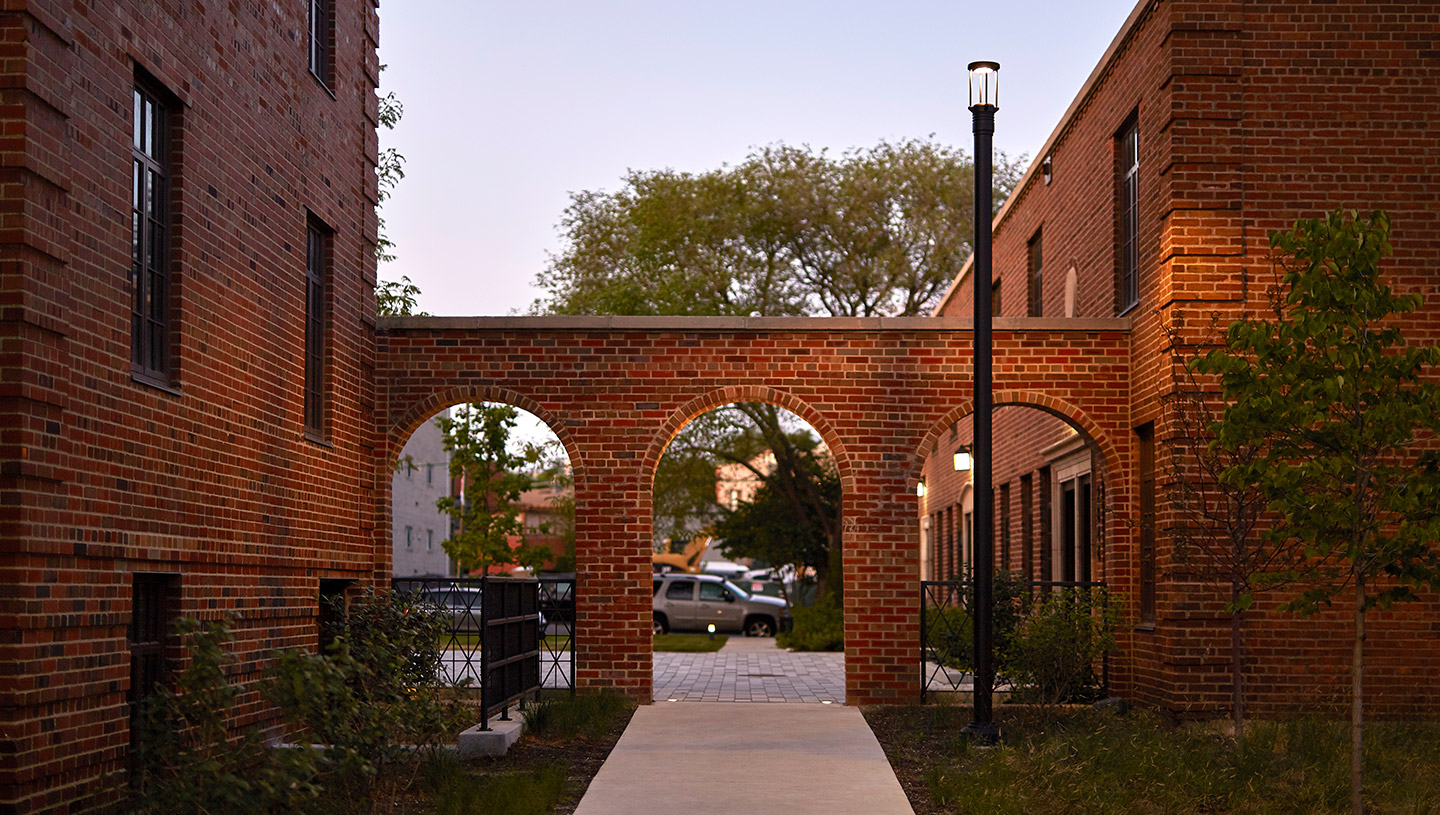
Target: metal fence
(947, 628)
(507, 638)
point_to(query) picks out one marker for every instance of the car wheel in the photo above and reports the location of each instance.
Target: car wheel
(759, 627)
(661, 626)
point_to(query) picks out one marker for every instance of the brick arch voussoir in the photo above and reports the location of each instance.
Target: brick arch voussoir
(687, 412)
(400, 431)
(1076, 416)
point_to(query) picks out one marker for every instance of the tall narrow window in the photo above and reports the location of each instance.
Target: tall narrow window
(995, 299)
(1034, 307)
(152, 610)
(1146, 437)
(1002, 515)
(1047, 569)
(1127, 200)
(322, 39)
(149, 240)
(317, 319)
(1027, 526)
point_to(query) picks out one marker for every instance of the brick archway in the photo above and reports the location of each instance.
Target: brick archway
(617, 389)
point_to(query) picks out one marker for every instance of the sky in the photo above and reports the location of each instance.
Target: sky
(511, 107)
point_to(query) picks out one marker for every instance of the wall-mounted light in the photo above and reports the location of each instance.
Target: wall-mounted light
(985, 84)
(1047, 168)
(920, 490)
(963, 461)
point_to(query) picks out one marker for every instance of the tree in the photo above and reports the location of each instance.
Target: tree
(397, 298)
(485, 516)
(1344, 413)
(1215, 536)
(789, 231)
(774, 528)
(389, 169)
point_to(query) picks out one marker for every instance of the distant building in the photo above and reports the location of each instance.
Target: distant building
(421, 479)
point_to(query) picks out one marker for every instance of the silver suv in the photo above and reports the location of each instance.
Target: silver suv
(691, 602)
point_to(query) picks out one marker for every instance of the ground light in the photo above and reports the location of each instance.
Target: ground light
(984, 101)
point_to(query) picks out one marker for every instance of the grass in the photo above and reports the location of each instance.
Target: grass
(452, 791)
(689, 643)
(564, 717)
(1084, 761)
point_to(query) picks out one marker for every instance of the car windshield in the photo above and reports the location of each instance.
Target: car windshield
(739, 592)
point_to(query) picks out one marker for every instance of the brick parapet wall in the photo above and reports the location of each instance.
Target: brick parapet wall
(104, 477)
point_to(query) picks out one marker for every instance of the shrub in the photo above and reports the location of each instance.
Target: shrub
(820, 627)
(950, 631)
(186, 759)
(1052, 653)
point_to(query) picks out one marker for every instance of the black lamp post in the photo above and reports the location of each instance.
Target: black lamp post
(984, 101)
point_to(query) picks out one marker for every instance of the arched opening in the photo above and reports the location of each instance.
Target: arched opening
(1052, 520)
(746, 506)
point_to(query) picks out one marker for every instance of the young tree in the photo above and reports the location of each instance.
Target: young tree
(491, 479)
(1344, 413)
(1215, 536)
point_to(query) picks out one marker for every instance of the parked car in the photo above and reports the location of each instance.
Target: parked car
(463, 605)
(691, 602)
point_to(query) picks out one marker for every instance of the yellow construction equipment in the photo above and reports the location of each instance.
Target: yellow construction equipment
(687, 560)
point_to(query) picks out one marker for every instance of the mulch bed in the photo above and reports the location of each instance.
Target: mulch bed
(913, 745)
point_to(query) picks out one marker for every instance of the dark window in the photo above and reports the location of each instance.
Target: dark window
(1027, 526)
(1146, 437)
(150, 240)
(967, 553)
(712, 593)
(331, 615)
(1034, 306)
(1002, 516)
(681, 590)
(152, 611)
(995, 299)
(1067, 532)
(317, 324)
(322, 39)
(1127, 202)
(1047, 569)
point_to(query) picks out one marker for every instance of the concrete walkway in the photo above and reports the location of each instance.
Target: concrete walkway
(793, 759)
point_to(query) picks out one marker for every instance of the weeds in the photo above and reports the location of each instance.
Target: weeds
(589, 716)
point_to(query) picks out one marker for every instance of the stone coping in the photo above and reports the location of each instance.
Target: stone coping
(749, 324)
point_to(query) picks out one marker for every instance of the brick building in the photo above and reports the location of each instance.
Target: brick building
(1205, 126)
(187, 330)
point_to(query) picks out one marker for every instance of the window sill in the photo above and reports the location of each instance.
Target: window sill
(1145, 628)
(323, 83)
(1128, 309)
(316, 438)
(157, 384)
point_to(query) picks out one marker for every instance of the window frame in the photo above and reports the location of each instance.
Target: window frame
(1127, 215)
(1034, 263)
(319, 252)
(152, 231)
(320, 25)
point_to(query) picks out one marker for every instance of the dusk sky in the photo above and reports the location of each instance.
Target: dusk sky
(510, 107)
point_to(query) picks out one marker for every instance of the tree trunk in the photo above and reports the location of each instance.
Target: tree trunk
(1357, 701)
(1237, 671)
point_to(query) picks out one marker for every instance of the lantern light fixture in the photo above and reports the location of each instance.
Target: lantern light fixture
(985, 85)
(963, 461)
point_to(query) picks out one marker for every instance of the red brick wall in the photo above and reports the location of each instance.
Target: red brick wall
(1251, 115)
(878, 392)
(103, 476)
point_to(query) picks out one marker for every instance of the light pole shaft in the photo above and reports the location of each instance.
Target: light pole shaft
(983, 567)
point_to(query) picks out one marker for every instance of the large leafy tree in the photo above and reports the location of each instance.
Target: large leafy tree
(788, 231)
(485, 516)
(1344, 414)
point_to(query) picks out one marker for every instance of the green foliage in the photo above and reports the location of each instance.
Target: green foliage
(689, 643)
(788, 231)
(397, 298)
(587, 715)
(775, 528)
(1334, 396)
(950, 631)
(453, 791)
(818, 627)
(1056, 646)
(389, 169)
(1087, 762)
(477, 437)
(188, 760)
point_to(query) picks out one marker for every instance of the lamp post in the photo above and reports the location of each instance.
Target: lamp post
(984, 101)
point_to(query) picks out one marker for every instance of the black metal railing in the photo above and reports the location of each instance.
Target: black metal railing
(499, 640)
(947, 659)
